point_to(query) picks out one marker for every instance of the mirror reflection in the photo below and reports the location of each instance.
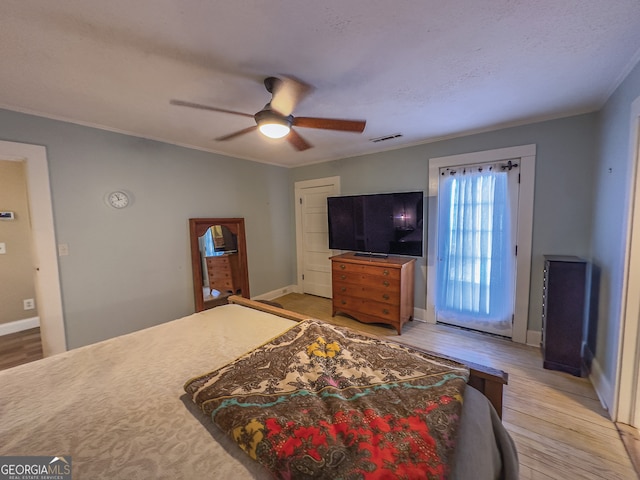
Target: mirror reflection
(219, 261)
(220, 266)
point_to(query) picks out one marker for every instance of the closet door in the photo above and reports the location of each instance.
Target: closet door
(312, 235)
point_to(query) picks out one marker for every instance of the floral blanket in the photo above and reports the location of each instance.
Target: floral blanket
(321, 401)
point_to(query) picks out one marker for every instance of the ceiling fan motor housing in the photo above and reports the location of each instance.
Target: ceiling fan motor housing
(270, 83)
(267, 115)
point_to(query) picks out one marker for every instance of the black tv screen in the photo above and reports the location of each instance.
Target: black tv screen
(382, 224)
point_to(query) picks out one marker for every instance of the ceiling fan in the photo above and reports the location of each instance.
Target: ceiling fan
(275, 120)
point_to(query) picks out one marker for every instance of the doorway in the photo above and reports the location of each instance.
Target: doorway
(47, 279)
(312, 237)
(524, 156)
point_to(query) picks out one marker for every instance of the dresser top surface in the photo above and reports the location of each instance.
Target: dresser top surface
(366, 260)
(564, 258)
(224, 255)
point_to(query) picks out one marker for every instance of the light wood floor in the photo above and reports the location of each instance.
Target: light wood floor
(558, 424)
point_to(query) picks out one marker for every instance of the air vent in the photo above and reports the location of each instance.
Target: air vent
(386, 137)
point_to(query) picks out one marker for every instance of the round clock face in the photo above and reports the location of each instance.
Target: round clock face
(118, 199)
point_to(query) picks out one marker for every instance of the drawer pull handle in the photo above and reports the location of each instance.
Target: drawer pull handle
(343, 266)
(343, 289)
(343, 277)
(385, 272)
(385, 311)
(344, 302)
(385, 283)
(385, 296)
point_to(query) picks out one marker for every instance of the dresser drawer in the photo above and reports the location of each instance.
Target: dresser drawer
(218, 262)
(362, 279)
(388, 296)
(220, 274)
(376, 270)
(383, 311)
(222, 284)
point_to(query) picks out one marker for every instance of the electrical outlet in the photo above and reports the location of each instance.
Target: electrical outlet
(29, 303)
(63, 250)
(3, 248)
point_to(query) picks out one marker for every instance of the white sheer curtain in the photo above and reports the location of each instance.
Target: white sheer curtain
(475, 257)
(209, 247)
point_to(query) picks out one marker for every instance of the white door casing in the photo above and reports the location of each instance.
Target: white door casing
(526, 155)
(626, 405)
(312, 239)
(47, 278)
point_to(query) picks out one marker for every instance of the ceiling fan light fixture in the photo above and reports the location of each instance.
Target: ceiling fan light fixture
(273, 125)
(274, 130)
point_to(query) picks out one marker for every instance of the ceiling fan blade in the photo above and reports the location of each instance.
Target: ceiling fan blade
(297, 141)
(330, 124)
(288, 92)
(237, 134)
(182, 103)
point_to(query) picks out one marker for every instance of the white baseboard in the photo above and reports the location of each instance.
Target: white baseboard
(19, 325)
(420, 314)
(600, 383)
(534, 338)
(276, 293)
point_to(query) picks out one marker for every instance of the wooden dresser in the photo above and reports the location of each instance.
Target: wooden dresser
(223, 272)
(373, 290)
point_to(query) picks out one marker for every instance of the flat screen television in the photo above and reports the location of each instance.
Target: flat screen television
(379, 224)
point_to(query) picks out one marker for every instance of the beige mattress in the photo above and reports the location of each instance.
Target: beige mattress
(118, 407)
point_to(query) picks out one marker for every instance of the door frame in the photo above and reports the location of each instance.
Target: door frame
(47, 277)
(527, 156)
(626, 405)
(298, 187)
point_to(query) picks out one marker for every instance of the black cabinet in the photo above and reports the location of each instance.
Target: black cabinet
(564, 309)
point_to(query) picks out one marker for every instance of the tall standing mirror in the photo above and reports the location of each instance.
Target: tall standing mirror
(218, 260)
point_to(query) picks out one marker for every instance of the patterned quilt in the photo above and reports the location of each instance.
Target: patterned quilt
(320, 401)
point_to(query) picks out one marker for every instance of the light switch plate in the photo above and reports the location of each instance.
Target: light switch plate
(3, 248)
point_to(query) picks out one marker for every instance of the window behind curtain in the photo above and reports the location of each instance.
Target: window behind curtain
(475, 259)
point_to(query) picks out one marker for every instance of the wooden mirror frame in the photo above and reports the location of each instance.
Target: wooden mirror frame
(197, 228)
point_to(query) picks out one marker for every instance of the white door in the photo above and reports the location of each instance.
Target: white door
(523, 207)
(312, 235)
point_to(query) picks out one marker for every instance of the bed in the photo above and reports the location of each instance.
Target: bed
(122, 409)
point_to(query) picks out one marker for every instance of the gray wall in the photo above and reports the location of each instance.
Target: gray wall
(565, 160)
(613, 193)
(131, 268)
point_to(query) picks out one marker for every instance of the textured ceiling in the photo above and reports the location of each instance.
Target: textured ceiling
(426, 69)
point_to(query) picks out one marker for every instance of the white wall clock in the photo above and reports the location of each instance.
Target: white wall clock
(118, 199)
